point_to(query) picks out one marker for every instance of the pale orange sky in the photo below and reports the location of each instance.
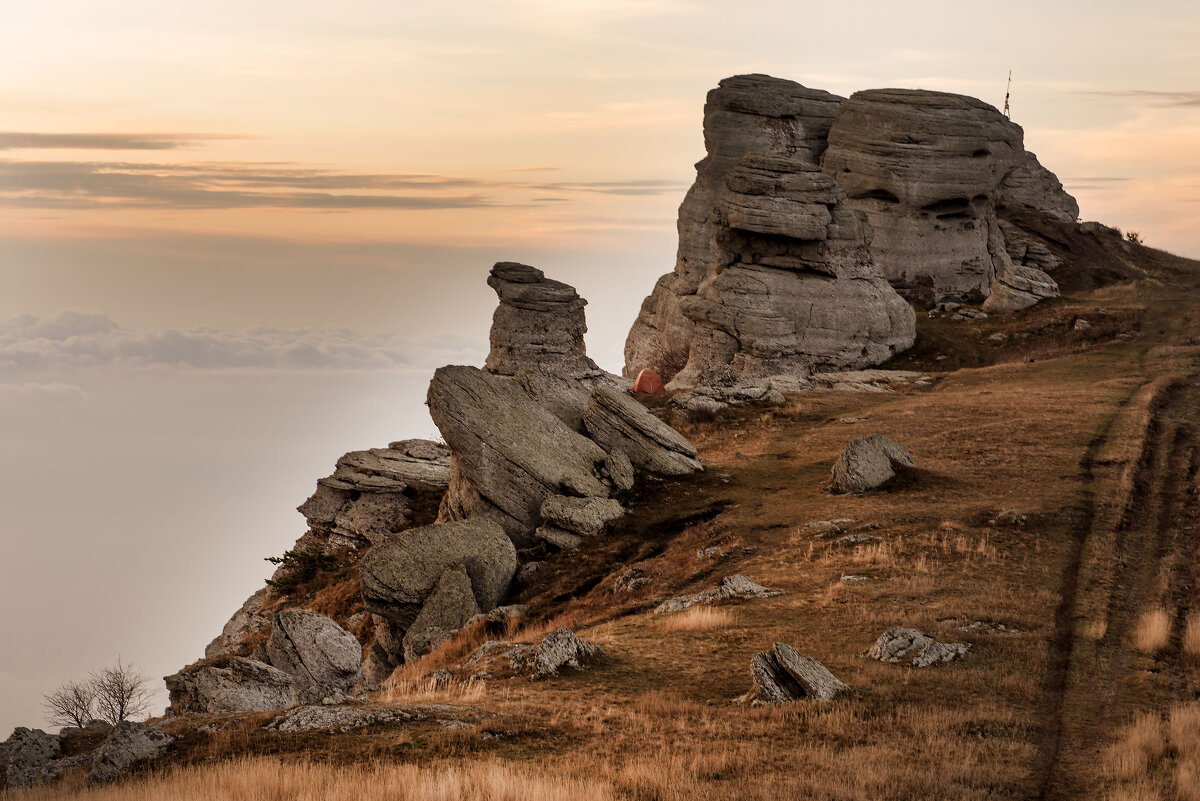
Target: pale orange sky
(236, 238)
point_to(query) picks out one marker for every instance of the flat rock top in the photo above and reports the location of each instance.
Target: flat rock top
(528, 288)
(419, 464)
(924, 99)
(768, 96)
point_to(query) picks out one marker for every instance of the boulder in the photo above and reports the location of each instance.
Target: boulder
(619, 423)
(870, 462)
(245, 685)
(731, 587)
(1031, 186)
(782, 674)
(774, 272)
(648, 382)
(562, 649)
(586, 516)
(319, 655)
(127, 745)
(509, 453)
(447, 609)
(400, 573)
(539, 325)
(1020, 287)
(385, 654)
(31, 757)
(899, 644)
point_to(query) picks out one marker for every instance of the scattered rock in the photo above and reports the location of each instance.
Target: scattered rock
(562, 649)
(782, 675)
(851, 578)
(711, 552)
(632, 579)
(900, 643)
(731, 587)
(1081, 325)
(1009, 517)
(852, 420)
(870, 462)
(850, 540)
(245, 685)
(997, 337)
(127, 745)
(586, 516)
(823, 529)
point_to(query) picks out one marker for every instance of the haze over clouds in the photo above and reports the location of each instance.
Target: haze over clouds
(236, 238)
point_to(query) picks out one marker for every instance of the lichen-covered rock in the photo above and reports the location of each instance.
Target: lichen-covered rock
(619, 423)
(562, 649)
(731, 587)
(783, 674)
(447, 609)
(900, 643)
(245, 685)
(127, 745)
(539, 324)
(319, 655)
(509, 453)
(30, 757)
(401, 572)
(870, 462)
(586, 516)
(774, 273)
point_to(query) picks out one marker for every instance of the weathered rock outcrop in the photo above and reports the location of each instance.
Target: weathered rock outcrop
(731, 587)
(557, 650)
(127, 745)
(870, 462)
(450, 606)
(244, 685)
(929, 169)
(509, 453)
(539, 325)
(622, 425)
(373, 493)
(899, 644)
(30, 758)
(774, 273)
(319, 655)
(783, 674)
(247, 620)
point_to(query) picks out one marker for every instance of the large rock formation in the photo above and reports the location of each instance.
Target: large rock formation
(242, 685)
(774, 273)
(320, 656)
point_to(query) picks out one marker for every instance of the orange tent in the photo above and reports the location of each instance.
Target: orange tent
(648, 383)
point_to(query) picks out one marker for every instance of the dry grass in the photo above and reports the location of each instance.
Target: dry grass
(429, 690)
(1153, 630)
(1140, 745)
(271, 780)
(698, 618)
(1191, 635)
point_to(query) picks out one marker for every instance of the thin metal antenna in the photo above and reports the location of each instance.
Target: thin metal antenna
(1007, 92)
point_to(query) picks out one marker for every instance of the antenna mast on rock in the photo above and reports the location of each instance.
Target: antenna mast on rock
(1007, 92)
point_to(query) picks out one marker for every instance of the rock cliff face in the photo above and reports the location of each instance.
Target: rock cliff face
(774, 273)
(806, 203)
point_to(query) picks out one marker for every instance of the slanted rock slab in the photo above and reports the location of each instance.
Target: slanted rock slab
(619, 423)
(783, 674)
(315, 651)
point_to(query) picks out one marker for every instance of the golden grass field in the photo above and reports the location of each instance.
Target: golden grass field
(1087, 692)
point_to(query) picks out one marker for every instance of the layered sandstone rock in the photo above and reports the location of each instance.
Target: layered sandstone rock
(929, 169)
(774, 274)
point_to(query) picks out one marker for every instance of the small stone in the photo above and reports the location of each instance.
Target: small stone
(900, 643)
(1082, 325)
(851, 540)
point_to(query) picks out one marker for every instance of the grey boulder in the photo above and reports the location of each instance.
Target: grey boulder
(448, 608)
(245, 685)
(127, 745)
(31, 756)
(782, 674)
(869, 462)
(586, 516)
(901, 643)
(319, 655)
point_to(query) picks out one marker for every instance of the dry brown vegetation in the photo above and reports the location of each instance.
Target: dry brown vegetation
(1092, 442)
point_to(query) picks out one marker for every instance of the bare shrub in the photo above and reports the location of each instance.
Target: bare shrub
(121, 693)
(669, 359)
(72, 704)
(1153, 630)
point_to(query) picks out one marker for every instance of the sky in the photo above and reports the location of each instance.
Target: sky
(236, 239)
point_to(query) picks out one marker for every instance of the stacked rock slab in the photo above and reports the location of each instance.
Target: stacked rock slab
(929, 170)
(774, 274)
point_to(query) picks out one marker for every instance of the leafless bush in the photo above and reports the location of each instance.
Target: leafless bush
(669, 359)
(121, 693)
(72, 704)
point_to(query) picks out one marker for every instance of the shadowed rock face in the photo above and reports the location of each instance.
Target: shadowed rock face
(929, 170)
(774, 273)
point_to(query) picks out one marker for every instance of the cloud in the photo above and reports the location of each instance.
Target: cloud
(89, 185)
(53, 392)
(86, 339)
(30, 140)
(1093, 183)
(1168, 99)
(630, 188)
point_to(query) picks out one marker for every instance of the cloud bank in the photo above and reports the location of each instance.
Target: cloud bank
(90, 339)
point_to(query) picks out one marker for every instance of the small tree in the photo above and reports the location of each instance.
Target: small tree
(1134, 237)
(72, 704)
(121, 693)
